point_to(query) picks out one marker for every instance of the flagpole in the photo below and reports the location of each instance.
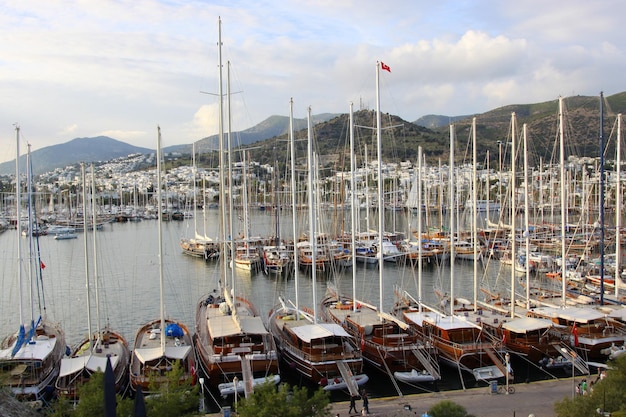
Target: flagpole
(381, 218)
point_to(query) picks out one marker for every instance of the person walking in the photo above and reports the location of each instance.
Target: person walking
(353, 404)
(366, 402)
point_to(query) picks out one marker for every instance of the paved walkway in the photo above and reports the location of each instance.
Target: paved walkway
(536, 398)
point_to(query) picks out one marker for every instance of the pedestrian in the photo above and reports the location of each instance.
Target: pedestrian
(353, 404)
(583, 387)
(366, 410)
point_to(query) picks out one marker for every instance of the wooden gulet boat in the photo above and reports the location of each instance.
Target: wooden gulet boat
(233, 342)
(386, 343)
(235, 350)
(30, 357)
(323, 353)
(162, 342)
(589, 330)
(459, 339)
(93, 352)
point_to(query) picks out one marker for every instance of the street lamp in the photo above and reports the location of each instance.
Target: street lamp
(507, 358)
(235, 380)
(202, 407)
(571, 355)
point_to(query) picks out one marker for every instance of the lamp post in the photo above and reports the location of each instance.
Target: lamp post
(571, 355)
(202, 407)
(507, 358)
(235, 380)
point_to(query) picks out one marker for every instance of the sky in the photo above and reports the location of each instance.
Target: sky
(84, 68)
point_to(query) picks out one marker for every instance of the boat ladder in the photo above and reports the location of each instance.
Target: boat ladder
(391, 376)
(246, 371)
(579, 363)
(348, 377)
(428, 361)
(497, 361)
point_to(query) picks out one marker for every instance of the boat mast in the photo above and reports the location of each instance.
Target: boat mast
(160, 211)
(312, 211)
(526, 215)
(95, 254)
(195, 191)
(452, 210)
(474, 212)
(86, 249)
(220, 120)
(513, 204)
(420, 261)
(562, 185)
(18, 223)
(294, 223)
(618, 208)
(381, 214)
(353, 205)
(602, 199)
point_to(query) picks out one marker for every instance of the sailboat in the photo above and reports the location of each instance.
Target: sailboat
(387, 343)
(323, 353)
(591, 332)
(161, 342)
(234, 349)
(457, 334)
(92, 353)
(247, 254)
(30, 358)
(200, 245)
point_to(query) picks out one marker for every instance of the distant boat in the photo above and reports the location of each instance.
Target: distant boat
(56, 229)
(65, 236)
(483, 205)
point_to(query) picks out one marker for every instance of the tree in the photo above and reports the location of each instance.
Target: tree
(91, 401)
(606, 394)
(284, 401)
(176, 397)
(448, 408)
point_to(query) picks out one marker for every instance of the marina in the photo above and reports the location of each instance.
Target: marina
(128, 264)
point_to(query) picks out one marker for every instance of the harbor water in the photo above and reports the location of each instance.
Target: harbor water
(125, 261)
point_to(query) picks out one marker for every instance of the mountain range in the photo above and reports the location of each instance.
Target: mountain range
(431, 132)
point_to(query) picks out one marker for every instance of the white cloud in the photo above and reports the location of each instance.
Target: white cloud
(84, 68)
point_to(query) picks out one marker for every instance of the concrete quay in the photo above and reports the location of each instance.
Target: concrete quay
(535, 398)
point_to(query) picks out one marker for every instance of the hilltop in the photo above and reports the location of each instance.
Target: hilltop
(401, 138)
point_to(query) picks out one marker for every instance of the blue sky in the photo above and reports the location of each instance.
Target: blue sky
(85, 68)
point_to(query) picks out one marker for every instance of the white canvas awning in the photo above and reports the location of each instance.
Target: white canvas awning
(177, 352)
(310, 332)
(573, 314)
(93, 363)
(148, 354)
(527, 324)
(222, 326)
(252, 325)
(100, 362)
(71, 366)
